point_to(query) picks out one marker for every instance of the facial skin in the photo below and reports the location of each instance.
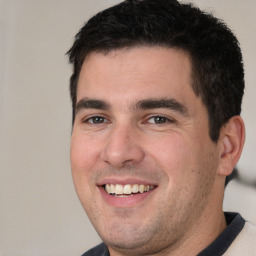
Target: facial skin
(138, 121)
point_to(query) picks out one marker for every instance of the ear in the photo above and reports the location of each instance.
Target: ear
(231, 142)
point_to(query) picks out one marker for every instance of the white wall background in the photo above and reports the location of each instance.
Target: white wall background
(39, 211)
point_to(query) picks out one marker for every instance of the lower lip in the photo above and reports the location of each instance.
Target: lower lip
(124, 201)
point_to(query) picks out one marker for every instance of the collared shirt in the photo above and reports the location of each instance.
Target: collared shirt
(217, 248)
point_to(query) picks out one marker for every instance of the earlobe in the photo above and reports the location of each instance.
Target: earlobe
(231, 144)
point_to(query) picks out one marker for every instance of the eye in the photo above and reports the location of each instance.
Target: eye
(96, 120)
(159, 120)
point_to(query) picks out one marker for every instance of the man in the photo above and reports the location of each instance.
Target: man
(156, 93)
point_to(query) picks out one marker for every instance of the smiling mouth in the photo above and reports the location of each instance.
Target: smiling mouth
(127, 190)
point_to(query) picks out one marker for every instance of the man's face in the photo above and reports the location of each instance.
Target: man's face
(142, 134)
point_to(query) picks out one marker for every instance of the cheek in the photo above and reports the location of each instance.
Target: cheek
(83, 158)
(179, 158)
(172, 152)
(82, 153)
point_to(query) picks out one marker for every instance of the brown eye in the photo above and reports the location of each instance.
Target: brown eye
(159, 120)
(96, 120)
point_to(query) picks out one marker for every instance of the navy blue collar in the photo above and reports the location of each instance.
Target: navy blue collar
(217, 248)
(220, 245)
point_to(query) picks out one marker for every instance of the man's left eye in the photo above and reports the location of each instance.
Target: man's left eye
(159, 120)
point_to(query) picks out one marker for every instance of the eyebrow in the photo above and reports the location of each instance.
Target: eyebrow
(171, 104)
(86, 103)
(146, 104)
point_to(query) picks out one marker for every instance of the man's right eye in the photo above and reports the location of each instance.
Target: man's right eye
(96, 120)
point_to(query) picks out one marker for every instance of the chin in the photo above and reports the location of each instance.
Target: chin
(126, 238)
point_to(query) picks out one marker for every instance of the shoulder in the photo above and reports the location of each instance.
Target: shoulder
(250, 230)
(99, 250)
(245, 242)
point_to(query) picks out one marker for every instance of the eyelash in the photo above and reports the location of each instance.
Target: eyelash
(91, 120)
(160, 119)
(157, 120)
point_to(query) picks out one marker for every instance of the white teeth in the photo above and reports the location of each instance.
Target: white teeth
(112, 188)
(135, 188)
(141, 188)
(127, 189)
(119, 189)
(107, 188)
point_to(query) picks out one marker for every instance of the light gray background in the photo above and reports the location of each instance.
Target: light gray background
(39, 211)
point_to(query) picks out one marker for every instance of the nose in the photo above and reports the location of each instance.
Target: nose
(122, 147)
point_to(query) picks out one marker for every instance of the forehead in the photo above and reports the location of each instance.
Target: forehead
(140, 72)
